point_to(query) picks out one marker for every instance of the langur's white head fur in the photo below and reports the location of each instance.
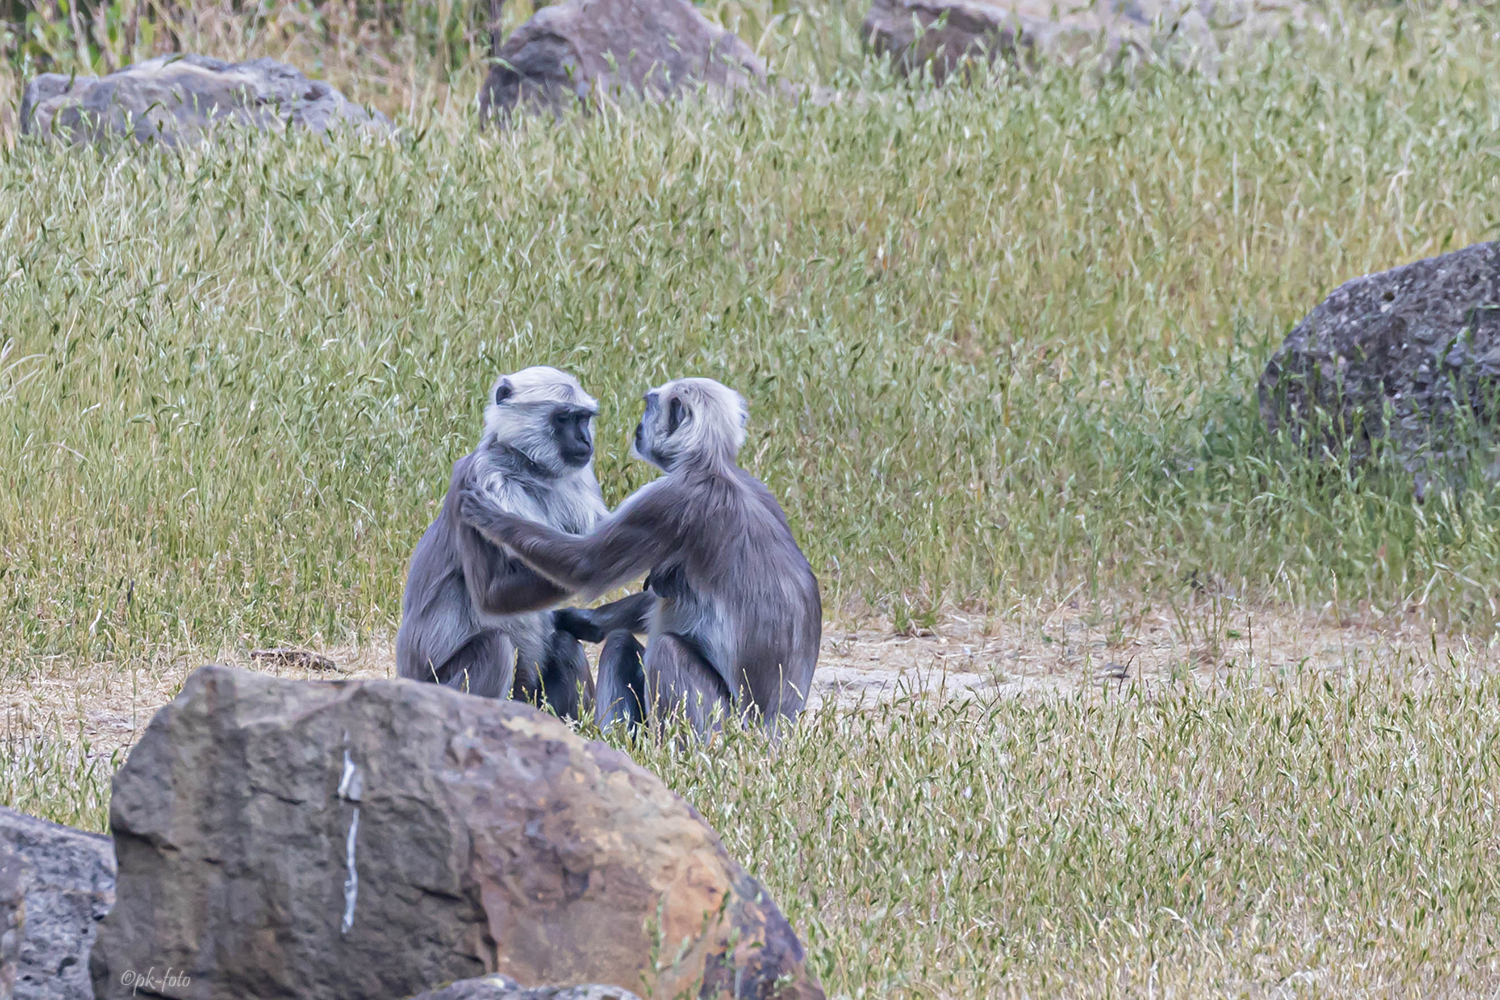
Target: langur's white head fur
(543, 414)
(693, 420)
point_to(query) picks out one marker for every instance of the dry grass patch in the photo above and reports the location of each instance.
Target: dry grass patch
(1063, 652)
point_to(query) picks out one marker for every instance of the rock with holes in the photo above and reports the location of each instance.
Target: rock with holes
(1408, 358)
(583, 51)
(498, 987)
(944, 37)
(177, 99)
(56, 885)
(373, 839)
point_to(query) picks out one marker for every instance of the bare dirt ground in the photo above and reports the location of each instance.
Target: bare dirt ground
(1027, 652)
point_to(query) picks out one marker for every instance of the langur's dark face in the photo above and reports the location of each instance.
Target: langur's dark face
(651, 433)
(571, 430)
(642, 435)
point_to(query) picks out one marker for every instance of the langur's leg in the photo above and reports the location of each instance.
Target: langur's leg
(484, 666)
(566, 682)
(680, 680)
(527, 682)
(621, 696)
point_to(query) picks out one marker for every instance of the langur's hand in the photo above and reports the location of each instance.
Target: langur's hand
(579, 623)
(476, 512)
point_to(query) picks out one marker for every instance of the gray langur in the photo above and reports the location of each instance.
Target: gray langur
(731, 609)
(473, 615)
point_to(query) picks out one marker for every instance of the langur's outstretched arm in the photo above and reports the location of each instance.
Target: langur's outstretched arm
(500, 584)
(497, 582)
(624, 546)
(595, 624)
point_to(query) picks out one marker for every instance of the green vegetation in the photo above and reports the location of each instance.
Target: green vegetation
(997, 344)
(1301, 839)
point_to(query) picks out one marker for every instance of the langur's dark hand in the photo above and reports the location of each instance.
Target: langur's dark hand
(473, 510)
(579, 623)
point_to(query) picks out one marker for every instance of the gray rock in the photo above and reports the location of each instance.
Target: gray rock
(943, 36)
(497, 987)
(584, 51)
(12, 911)
(1409, 356)
(176, 99)
(56, 885)
(372, 839)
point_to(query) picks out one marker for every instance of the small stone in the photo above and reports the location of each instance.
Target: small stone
(940, 36)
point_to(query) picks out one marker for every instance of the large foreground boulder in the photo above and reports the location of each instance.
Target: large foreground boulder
(1410, 356)
(372, 839)
(176, 99)
(56, 884)
(585, 51)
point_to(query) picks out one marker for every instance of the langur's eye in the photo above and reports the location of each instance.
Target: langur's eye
(503, 391)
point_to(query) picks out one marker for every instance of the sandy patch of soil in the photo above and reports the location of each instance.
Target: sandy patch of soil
(1068, 651)
(1062, 651)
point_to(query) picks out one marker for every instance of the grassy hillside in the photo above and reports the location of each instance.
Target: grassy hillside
(1306, 836)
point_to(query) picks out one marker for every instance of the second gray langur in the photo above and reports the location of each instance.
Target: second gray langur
(473, 615)
(731, 609)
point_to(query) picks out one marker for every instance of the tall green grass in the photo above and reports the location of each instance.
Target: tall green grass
(995, 341)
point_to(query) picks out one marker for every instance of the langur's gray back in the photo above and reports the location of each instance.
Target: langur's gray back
(735, 581)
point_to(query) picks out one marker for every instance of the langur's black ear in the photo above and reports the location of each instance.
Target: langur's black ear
(503, 391)
(675, 414)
